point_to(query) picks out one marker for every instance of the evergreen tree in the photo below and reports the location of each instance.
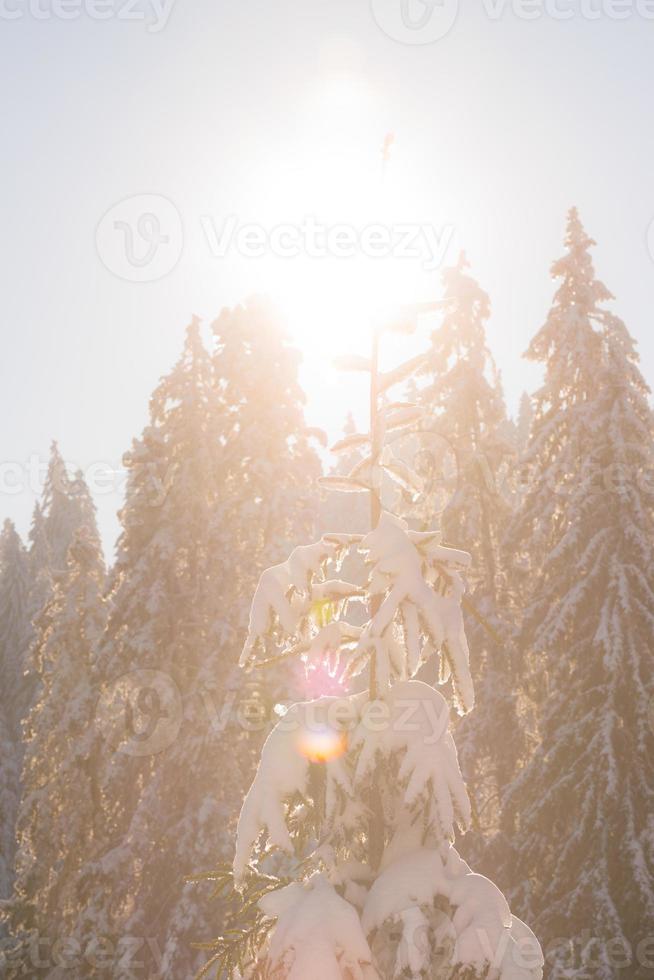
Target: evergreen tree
(39, 561)
(9, 801)
(27, 583)
(204, 491)
(66, 506)
(570, 348)
(14, 633)
(268, 445)
(464, 395)
(362, 802)
(525, 419)
(60, 809)
(466, 404)
(164, 592)
(269, 465)
(14, 622)
(579, 815)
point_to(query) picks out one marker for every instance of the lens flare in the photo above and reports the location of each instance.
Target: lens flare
(319, 680)
(322, 744)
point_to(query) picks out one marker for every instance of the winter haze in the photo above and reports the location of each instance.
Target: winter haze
(327, 486)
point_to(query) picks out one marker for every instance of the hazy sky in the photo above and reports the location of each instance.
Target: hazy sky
(263, 113)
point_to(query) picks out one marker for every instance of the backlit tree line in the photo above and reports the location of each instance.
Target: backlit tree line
(102, 820)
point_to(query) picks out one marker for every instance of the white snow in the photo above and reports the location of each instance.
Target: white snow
(481, 926)
(400, 562)
(318, 934)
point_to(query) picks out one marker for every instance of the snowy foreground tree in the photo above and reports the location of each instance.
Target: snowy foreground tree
(345, 865)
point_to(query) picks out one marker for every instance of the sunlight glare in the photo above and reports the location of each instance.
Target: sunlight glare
(337, 200)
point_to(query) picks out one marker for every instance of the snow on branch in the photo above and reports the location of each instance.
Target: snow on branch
(416, 730)
(284, 594)
(308, 731)
(328, 646)
(351, 736)
(401, 416)
(402, 562)
(475, 930)
(350, 443)
(400, 472)
(401, 373)
(318, 934)
(344, 484)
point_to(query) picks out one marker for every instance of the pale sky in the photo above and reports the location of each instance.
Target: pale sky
(270, 112)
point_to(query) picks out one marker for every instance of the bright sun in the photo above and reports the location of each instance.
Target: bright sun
(340, 218)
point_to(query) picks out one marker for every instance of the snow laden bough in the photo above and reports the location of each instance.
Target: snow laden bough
(420, 589)
(338, 775)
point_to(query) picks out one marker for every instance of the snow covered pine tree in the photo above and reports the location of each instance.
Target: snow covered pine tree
(362, 792)
(55, 839)
(14, 641)
(192, 527)
(579, 815)
(465, 404)
(26, 584)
